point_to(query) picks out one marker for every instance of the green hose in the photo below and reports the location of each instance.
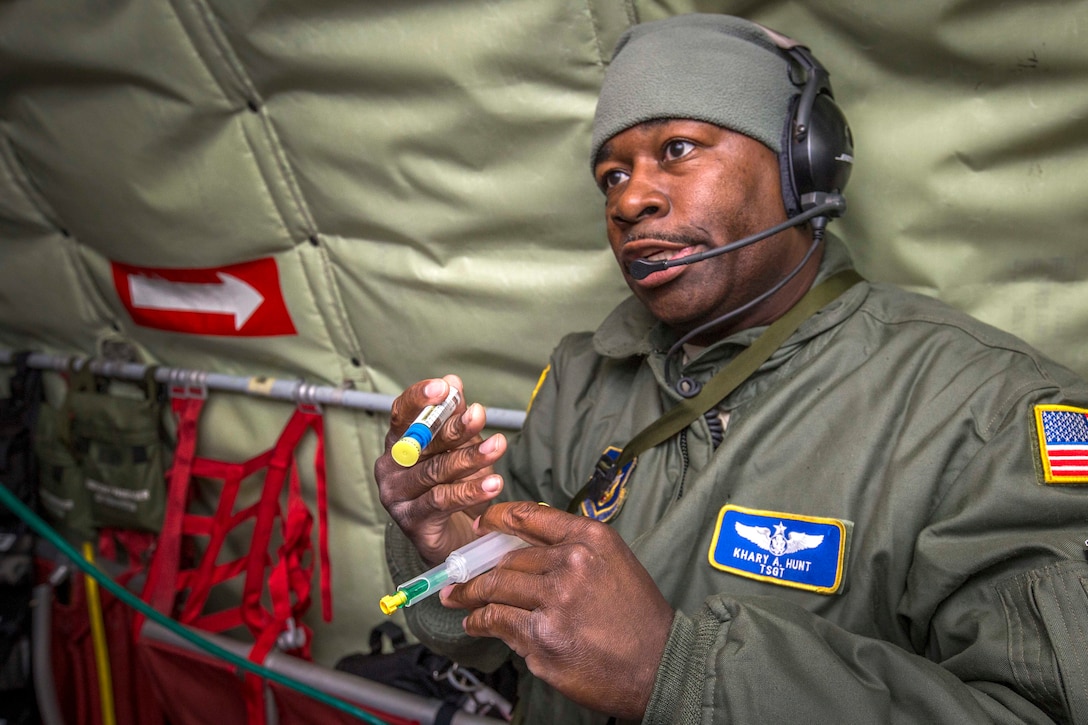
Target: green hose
(47, 532)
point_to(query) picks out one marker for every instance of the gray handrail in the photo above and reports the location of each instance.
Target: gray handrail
(297, 391)
(348, 687)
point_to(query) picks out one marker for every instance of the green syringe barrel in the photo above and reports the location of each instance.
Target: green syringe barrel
(425, 584)
(461, 565)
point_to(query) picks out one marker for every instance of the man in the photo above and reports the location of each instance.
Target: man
(872, 525)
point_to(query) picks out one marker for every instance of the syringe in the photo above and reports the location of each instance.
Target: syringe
(461, 565)
(419, 434)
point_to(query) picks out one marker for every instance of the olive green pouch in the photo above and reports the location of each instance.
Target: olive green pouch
(62, 495)
(118, 444)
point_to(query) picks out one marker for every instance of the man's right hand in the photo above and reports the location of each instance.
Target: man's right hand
(435, 501)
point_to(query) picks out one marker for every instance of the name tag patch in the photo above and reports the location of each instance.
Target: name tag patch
(791, 550)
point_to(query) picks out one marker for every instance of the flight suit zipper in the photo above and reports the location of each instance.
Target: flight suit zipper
(683, 462)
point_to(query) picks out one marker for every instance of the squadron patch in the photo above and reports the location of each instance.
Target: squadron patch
(791, 550)
(1063, 443)
(606, 500)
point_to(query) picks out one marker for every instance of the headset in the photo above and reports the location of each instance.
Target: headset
(817, 146)
(815, 162)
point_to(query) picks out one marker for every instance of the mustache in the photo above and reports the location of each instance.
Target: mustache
(688, 240)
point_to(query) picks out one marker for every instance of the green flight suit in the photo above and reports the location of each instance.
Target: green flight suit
(962, 590)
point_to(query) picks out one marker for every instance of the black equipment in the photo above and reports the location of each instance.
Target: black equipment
(817, 147)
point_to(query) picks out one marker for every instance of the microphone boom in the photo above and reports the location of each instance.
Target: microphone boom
(831, 205)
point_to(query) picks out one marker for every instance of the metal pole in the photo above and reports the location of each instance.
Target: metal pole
(342, 685)
(42, 628)
(261, 386)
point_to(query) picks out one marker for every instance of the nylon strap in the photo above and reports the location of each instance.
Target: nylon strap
(728, 378)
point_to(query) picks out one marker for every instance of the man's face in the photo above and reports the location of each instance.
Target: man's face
(678, 187)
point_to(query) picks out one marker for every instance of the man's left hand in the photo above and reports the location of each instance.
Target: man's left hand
(577, 606)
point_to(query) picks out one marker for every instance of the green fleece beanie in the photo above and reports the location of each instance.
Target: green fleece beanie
(715, 68)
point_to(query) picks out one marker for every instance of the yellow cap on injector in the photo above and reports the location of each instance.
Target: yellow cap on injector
(392, 602)
(421, 432)
(406, 451)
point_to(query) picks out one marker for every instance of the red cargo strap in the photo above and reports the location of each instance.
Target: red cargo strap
(290, 576)
(159, 591)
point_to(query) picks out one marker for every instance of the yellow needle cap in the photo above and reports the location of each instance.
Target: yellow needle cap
(392, 602)
(406, 452)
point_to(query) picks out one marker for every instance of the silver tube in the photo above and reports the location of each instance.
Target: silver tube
(41, 626)
(291, 390)
(342, 685)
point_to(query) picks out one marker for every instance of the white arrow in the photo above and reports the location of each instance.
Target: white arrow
(230, 296)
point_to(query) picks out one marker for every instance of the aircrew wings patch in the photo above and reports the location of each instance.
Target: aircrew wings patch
(1063, 443)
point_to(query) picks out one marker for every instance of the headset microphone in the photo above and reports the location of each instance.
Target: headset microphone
(820, 207)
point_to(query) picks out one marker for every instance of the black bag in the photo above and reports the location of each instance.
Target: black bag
(17, 702)
(18, 466)
(416, 669)
(18, 473)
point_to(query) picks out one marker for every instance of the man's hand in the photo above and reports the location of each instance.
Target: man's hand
(435, 501)
(578, 606)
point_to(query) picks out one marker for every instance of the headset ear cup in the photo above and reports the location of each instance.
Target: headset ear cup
(791, 198)
(822, 161)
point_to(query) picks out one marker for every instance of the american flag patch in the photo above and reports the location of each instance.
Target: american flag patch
(1063, 443)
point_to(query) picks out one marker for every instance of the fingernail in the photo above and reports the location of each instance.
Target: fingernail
(491, 484)
(434, 388)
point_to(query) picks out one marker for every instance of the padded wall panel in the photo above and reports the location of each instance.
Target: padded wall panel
(35, 248)
(126, 133)
(443, 178)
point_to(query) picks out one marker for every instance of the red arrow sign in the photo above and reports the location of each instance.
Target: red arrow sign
(238, 300)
